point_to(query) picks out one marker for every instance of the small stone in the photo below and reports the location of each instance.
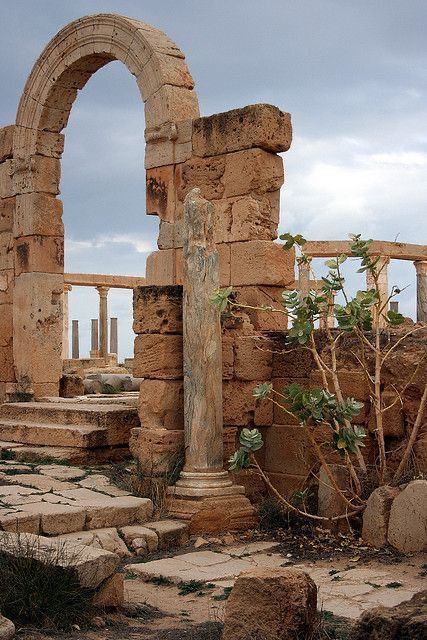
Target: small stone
(7, 628)
(228, 539)
(98, 622)
(200, 542)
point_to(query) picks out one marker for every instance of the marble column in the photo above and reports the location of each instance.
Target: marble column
(94, 338)
(421, 269)
(75, 348)
(103, 321)
(65, 323)
(114, 340)
(383, 290)
(203, 473)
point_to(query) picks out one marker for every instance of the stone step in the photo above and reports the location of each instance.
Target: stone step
(100, 415)
(70, 455)
(81, 436)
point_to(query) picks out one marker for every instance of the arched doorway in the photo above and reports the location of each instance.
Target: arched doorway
(64, 67)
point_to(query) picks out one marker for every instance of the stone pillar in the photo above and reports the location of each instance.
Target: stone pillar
(394, 306)
(75, 350)
(327, 319)
(94, 338)
(382, 270)
(421, 269)
(114, 340)
(103, 321)
(203, 477)
(65, 323)
(304, 278)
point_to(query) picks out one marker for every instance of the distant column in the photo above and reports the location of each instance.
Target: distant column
(421, 269)
(304, 278)
(65, 323)
(94, 338)
(383, 290)
(114, 340)
(75, 340)
(103, 321)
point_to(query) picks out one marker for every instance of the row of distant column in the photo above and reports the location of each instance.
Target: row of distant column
(99, 329)
(327, 317)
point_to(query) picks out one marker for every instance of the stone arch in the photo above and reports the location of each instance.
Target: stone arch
(63, 68)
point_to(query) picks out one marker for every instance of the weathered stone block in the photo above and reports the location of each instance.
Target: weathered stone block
(7, 212)
(260, 262)
(6, 343)
(111, 593)
(376, 515)
(263, 297)
(240, 408)
(353, 383)
(6, 180)
(255, 607)
(330, 502)
(38, 327)
(71, 385)
(168, 70)
(252, 171)
(393, 416)
(253, 358)
(158, 356)
(157, 309)
(407, 528)
(160, 268)
(160, 192)
(258, 125)
(291, 362)
(38, 214)
(157, 450)
(40, 173)
(6, 142)
(227, 358)
(43, 254)
(7, 277)
(170, 103)
(161, 404)
(245, 218)
(6, 250)
(286, 483)
(287, 449)
(203, 173)
(44, 143)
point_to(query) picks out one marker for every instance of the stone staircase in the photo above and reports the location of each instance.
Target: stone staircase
(76, 432)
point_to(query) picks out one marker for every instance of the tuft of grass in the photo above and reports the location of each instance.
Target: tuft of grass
(224, 595)
(194, 586)
(39, 591)
(393, 585)
(271, 515)
(160, 581)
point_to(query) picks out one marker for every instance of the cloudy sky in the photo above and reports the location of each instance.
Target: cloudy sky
(351, 73)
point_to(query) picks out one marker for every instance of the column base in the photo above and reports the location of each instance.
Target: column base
(210, 503)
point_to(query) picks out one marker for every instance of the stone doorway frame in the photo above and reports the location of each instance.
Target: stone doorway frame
(64, 67)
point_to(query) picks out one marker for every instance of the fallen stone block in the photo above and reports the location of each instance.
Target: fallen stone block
(272, 604)
(136, 532)
(111, 593)
(107, 539)
(92, 566)
(407, 528)
(376, 516)
(170, 533)
(406, 620)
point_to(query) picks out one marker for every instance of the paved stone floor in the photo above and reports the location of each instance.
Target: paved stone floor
(345, 587)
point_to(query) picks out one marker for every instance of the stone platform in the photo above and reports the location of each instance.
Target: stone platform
(76, 431)
(81, 506)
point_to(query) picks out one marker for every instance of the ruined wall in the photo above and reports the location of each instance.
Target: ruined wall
(253, 354)
(7, 211)
(234, 162)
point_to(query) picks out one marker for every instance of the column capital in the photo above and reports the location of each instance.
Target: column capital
(103, 291)
(421, 267)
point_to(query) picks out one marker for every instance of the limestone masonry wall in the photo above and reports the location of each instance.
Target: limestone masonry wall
(252, 353)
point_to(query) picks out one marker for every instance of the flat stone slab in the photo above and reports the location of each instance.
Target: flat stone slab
(61, 472)
(93, 566)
